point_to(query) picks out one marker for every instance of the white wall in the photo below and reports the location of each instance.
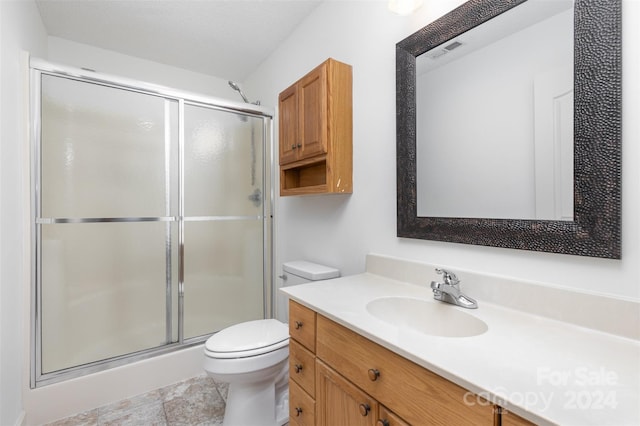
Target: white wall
(66, 52)
(21, 30)
(340, 230)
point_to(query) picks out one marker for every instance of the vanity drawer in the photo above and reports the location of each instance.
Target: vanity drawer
(416, 394)
(302, 408)
(388, 418)
(302, 325)
(302, 367)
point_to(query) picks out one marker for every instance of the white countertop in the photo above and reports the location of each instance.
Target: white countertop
(546, 371)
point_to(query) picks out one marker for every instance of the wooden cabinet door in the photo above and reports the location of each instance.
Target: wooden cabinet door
(288, 125)
(313, 113)
(340, 403)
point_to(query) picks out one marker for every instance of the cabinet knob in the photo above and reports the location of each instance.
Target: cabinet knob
(298, 325)
(373, 374)
(299, 145)
(364, 409)
(298, 368)
(298, 411)
(382, 422)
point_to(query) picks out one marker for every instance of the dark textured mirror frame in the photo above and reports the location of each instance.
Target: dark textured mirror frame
(595, 229)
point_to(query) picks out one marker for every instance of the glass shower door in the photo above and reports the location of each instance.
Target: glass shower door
(107, 242)
(150, 226)
(223, 219)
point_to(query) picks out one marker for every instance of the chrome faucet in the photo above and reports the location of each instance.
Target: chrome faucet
(449, 290)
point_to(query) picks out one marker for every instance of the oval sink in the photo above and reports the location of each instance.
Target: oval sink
(431, 318)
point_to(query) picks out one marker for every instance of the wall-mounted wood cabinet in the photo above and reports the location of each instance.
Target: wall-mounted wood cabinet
(316, 131)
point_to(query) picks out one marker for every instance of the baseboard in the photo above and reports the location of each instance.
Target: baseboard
(21, 420)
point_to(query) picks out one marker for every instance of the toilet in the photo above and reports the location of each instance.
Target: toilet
(253, 357)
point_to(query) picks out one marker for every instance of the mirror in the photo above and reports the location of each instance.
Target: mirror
(522, 62)
(586, 219)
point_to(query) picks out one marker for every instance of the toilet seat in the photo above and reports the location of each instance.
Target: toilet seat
(248, 339)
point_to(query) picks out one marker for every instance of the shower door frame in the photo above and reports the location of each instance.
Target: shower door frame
(38, 68)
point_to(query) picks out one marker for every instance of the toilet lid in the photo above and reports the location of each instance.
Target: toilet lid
(310, 271)
(258, 336)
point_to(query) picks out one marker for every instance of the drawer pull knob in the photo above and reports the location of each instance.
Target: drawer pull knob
(382, 422)
(298, 325)
(373, 374)
(298, 411)
(299, 145)
(293, 146)
(364, 409)
(298, 368)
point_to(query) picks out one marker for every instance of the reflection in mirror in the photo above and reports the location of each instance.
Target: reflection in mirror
(585, 224)
(495, 118)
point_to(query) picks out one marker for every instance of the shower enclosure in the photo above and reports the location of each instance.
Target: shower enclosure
(151, 219)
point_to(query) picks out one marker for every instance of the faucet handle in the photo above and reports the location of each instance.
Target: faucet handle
(449, 277)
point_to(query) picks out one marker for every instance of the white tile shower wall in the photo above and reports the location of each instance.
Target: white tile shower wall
(607, 314)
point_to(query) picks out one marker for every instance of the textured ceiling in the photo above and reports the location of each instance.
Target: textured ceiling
(224, 38)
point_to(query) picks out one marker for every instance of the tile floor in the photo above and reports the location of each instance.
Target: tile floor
(195, 402)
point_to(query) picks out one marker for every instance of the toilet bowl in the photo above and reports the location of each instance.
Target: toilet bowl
(253, 357)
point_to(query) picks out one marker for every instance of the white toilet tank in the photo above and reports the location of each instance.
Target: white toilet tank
(299, 272)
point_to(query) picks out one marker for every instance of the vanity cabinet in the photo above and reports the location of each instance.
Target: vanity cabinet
(338, 377)
(315, 132)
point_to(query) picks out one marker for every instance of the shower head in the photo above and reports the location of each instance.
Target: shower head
(237, 88)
